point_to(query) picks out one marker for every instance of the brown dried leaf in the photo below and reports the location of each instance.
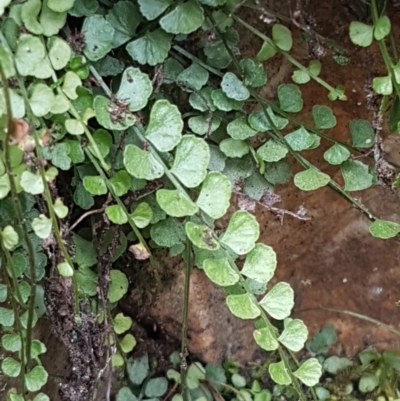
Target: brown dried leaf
(139, 252)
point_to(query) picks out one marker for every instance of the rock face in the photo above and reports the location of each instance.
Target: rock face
(330, 260)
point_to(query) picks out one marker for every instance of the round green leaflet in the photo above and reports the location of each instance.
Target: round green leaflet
(60, 6)
(185, 18)
(31, 183)
(254, 73)
(36, 379)
(282, 37)
(336, 154)
(95, 185)
(279, 373)
(300, 139)
(215, 195)
(175, 204)
(265, 339)
(128, 343)
(382, 27)
(362, 133)
(102, 105)
(29, 13)
(220, 101)
(201, 236)
(361, 34)
(30, 52)
(279, 301)
(260, 263)
(242, 232)
(356, 175)
(135, 88)
(118, 286)
(51, 21)
(311, 179)
(384, 229)
(70, 84)
(309, 372)
(201, 125)
(165, 126)
(5, 186)
(323, 117)
(42, 226)
(193, 77)
(295, 334)
(234, 88)
(121, 323)
(116, 214)
(242, 306)
(156, 387)
(142, 215)
(220, 272)
(59, 53)
(290, 98)
(151, 9)
(65, 269)
(11, 367)
(234, 148)
(239, 129)
(191, 161)
(272, 151)
(141, 163)
(383, 85)
(11, 342)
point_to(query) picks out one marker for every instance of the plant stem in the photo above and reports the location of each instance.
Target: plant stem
(185, 314)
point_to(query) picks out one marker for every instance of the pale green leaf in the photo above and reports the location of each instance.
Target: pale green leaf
(118, 286)
(185, 18)
(51, 21)
(121, 182)
(323, 117)
(239, 129)
(95, 185)
(242, 232)
(87, 280)
(42, 226)
(70, 84)
(142, 215)
(65, 269)
(11, 367)
(152, 48)
(202, 101)
(243, 306)
(7, 61)
(254, 73)
(60, 104)
(309, 372)
(221, 101)
(279, 373)
(382, 85)
(279, 301)
(141, 163)
(193, 78)
(259, 121)
(362, 134)
(116, 214)
(59, 53)
(191, 161)
(7, 317)
(234, 148)
(128, 343)
(164, 129)
(335, 364)
(17, 104)
(267, 51)
(175, 204)
(234, 88)
(336, 154)
(300, 77)
(60, 6)
(384, 229)
(220, 272)
(290, 99)
(156, 387)
(103, 140)
(99, 35)
(135, 88)
(361, 34)
(102, 107)
(36, 378)
(11, 342)
(282, 37)
(368, 382)
(300, 139)
(382, 27)
(5, 186)
(311, 179)
(121, 323)
(29, 53)
(215, 194)
(265, 339)
(74, 127)
(272, 151)
(109, 66)
(202, 125)
(32, 183)
(151, 9)
(29, 14)
(294, 336)
(260, 263)
(201, 236)
(356, 175)
(168, 232)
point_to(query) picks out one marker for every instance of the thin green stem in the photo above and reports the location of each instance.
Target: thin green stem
(185, 314)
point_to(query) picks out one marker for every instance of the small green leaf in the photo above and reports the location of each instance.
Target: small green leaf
(300, 139)
(242, 232)
(290, 99)
(201, 236)
(279, 301)
(41, 99)
(266, 339)
(282, 37)
(128, 343)
(65, 269)
(167, 233)
(59, 53)
(124, 18)
(29, 53)
(362, 133)
(323, 117)
(102, 105)
(193, 78)
(220, 101)
(260, 263)
(7, 61)
(99, 36)
(95, 185)
(42, 226)
(121, 323)
(11, 342)
(175, 204)
(41, 397)
(279, 373)
(116, 214)
(201, 125)
(356, 175)
(32, 183)
(361, 34)
(191, 161)
(272, 151)
(60, 6)
(70, 84)
(156, 387)
(382, 85)
(103, 140)
(36, 378)
(239, 129)
(74, 127)
(368, 382)
(109, 66)
(300, 77)
(3, 291)
(215, 195)
(335, 364)
(118, 286)
(164, 129)
(309, 372)
(7, 317)
(220, 272)
(267, 51)
(125, 393)
(142, 215)
(261, 123)
(121, 182)
(29, 14)
(11, 367)
(135, 88)
(152, 48)
(254, 73)
(336, 154)
(384, 229)
(151, 9)
(382, 27)
(234, 88)
(186, 18)
(294, 335)
(5, 186)
(311, 179)
(242, 306)
(141, 163)
(239, 382)
(51, 21)
(138, 369)
(234, 148)
(194, 374)
(202, 101)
